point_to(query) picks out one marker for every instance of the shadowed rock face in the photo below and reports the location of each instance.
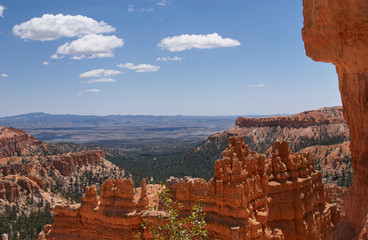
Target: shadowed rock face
(336, 31)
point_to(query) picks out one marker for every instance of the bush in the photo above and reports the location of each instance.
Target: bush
(175, 227)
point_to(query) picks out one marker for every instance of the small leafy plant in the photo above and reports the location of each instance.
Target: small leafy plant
(173, 226)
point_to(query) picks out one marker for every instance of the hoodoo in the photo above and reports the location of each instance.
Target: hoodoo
(336, 31)
(249, 197)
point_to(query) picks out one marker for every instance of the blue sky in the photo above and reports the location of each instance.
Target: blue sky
(160, 57)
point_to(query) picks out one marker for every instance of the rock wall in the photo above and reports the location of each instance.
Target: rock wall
(16, 142)
(336, 31)
(250, 197)
(9, 191)
(253, 198)
(113, 215)
(304, 119)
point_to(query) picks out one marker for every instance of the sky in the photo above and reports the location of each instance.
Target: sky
(158, 57)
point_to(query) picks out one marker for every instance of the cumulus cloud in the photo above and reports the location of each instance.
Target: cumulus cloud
(97, 73)
(101, 80)
(45, 63)
(4, 75)
(165, 59)
(187, 42)
(256, 85)
(140, 67)
(93, 90)
(91, 46)
(51, 27)
(2, 8)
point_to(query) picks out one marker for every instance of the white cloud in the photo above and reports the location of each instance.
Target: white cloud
(55, 56)
(140, 67)
(186, 42)
(164, 3)
(4, 75)
(256, 85)
(51, 27)
(2, 8)
(91, 46)
(45, 63)
(298, 85)
(97, 73)
(165, 59)
(93, 90)
(130, 8)
(101, 80)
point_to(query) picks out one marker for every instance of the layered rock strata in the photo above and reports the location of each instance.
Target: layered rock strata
(304, 119)
(250, 197)
(253, 198)
(16, 142)
(337, 32)
(113, 215)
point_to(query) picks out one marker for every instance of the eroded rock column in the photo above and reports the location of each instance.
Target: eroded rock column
(336, 31)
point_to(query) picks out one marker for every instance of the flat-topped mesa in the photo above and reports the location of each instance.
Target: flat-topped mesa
(254, 198)
(116, 214)
(304, 119)
(337, 32)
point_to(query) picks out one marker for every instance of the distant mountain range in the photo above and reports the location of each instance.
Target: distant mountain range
(44, 120)
(88, 128)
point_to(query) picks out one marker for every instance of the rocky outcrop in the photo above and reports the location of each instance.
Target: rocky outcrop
(28, 181)
(304, 119)
(337, 32)
(113, 215)
(9, 191)
(66, 163)
(250, 197)
(16, 142)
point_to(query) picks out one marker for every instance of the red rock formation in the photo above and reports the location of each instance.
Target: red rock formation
(66, 163)
(304, 119)
(253, 198)
(249, 198)
(16, 142)
(298, 206)
(337, 32)
(114, 215)
(9, 191)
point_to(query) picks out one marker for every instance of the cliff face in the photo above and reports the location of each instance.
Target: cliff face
(337, 32)
(250, 197)
(16, 142)
(301, 120)
(27, 181)
(324, 124)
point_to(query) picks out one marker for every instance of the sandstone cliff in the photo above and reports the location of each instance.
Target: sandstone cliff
(337, 32)
(250, 197)
(323, 132)
(16, 142)
(27, 180)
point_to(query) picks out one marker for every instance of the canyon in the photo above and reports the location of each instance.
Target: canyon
(31, 176)
(249, 197)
